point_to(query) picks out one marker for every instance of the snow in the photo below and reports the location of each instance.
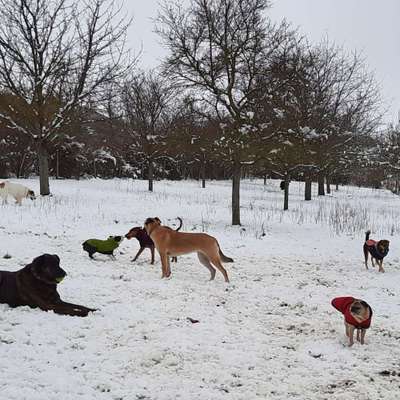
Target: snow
(269, 334)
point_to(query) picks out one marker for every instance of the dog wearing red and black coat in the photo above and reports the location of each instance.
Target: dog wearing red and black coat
(357, 315)
(145, 241)
(377, 249)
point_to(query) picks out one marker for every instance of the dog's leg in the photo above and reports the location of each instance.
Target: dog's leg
(206, 262)
(138, 253)
(372, 262)
(4, 198)
(217, 263)
(152, 254)
(380, 264)
(168, 267)
(166, 271)
(363, 332)
(366, 257)
(351, 334)
(358, 335)
(74, 310)
(90, 250)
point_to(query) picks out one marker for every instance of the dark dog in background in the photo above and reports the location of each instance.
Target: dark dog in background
(35, 285)
(145, 241)
(377, 249)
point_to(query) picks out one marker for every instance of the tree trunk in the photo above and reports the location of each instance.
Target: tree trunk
(286, 195)
(203, 174)
(43, 169)
(321, 186)
(150, 175)
(236, 193)
(308, 188)
(265, 180)
(337, 187)
(57, 164)
(21, 166)
(328, 184)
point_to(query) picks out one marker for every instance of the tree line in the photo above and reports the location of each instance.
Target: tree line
(236, 95)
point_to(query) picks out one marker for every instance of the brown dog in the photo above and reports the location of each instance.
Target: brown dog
(145, 241)
(377, 250)
(171, 243)
(35, 285)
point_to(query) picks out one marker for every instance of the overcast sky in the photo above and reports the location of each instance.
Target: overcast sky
(372, 26)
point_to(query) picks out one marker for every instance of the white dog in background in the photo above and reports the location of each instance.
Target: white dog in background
(15, 190)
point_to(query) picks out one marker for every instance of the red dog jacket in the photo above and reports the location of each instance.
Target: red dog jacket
(343, 305)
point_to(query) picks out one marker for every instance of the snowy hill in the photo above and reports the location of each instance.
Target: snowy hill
(269, 334)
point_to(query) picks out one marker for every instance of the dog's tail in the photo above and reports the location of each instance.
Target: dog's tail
(180, 224)
(367, 235)
(224, 258)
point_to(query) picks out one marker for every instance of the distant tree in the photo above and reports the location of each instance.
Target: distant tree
(386, 155)
(146, 102)
(287, 106)
(349, 106)
(17, 157)
(54, 56)
(319, 101)
(216, 50)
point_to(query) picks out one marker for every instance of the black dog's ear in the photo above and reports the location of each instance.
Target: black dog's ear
(38, 262)
(58, 258)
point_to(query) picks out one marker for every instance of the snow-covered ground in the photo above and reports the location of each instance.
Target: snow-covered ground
(269, 334)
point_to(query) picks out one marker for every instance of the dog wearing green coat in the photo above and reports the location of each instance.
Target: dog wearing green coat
(102, 246)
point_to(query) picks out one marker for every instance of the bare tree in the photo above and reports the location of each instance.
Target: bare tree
(54, 56)
(146, 102)
(318, 100)
(193, 140)
(216, 50)
(347, 106)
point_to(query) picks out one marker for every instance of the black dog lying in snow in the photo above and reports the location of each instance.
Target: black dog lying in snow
(35, 285)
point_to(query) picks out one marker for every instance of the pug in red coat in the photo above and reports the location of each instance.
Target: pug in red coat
(357, 315)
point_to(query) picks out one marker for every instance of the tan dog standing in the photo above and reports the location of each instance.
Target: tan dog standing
(170, 243)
